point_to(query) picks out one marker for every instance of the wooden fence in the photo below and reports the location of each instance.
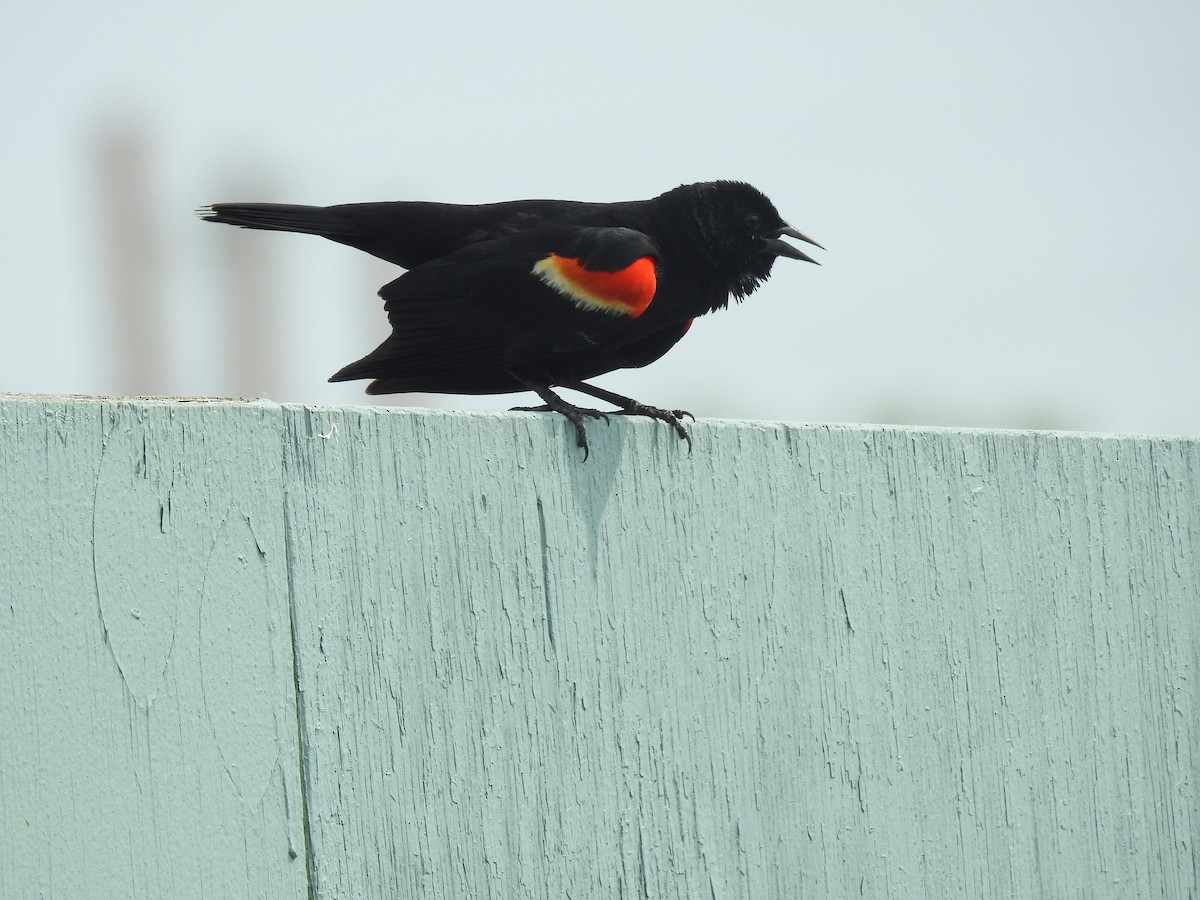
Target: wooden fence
(250, 650)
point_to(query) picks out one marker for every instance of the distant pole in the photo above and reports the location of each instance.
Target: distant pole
(133, 259)
(250, 312)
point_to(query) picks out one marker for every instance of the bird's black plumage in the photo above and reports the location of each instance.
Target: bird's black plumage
(534, 294)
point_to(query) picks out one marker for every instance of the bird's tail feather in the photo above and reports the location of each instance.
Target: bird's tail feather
(281, 217)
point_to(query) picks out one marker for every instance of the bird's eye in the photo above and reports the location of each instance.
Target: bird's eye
(752, 222)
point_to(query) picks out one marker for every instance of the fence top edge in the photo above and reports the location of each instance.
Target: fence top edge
(451, 413)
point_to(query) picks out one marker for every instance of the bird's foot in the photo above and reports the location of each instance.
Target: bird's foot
(630, 407)
(673, 417)
(574, 414)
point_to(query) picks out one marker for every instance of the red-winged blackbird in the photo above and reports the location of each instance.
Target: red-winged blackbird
(536, 294)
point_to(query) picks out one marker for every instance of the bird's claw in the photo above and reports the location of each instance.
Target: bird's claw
(573, 414)
(673, 417)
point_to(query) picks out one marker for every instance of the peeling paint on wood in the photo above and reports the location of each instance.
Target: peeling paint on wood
(148, 738)
(252, 650)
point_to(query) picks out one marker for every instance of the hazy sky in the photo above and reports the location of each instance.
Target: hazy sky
(1008, 191)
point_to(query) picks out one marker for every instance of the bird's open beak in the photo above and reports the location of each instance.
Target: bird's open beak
(783, 248)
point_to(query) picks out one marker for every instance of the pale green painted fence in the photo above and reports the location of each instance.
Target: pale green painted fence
(259, 651)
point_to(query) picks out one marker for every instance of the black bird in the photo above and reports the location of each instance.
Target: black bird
(537, 294)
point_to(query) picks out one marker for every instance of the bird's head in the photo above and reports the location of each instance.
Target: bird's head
(741, 233)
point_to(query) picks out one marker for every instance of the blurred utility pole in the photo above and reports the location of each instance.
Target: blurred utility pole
(134, 261)
(249, 308)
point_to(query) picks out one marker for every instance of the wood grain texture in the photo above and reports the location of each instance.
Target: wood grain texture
(148, 742)
(802, 661)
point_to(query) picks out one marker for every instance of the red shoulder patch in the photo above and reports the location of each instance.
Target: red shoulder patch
(626, 292)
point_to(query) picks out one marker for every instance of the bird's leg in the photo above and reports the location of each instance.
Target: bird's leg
(630, 407)
(554, 403)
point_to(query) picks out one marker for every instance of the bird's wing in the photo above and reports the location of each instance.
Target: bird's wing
(514, 301)
(405, 232)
